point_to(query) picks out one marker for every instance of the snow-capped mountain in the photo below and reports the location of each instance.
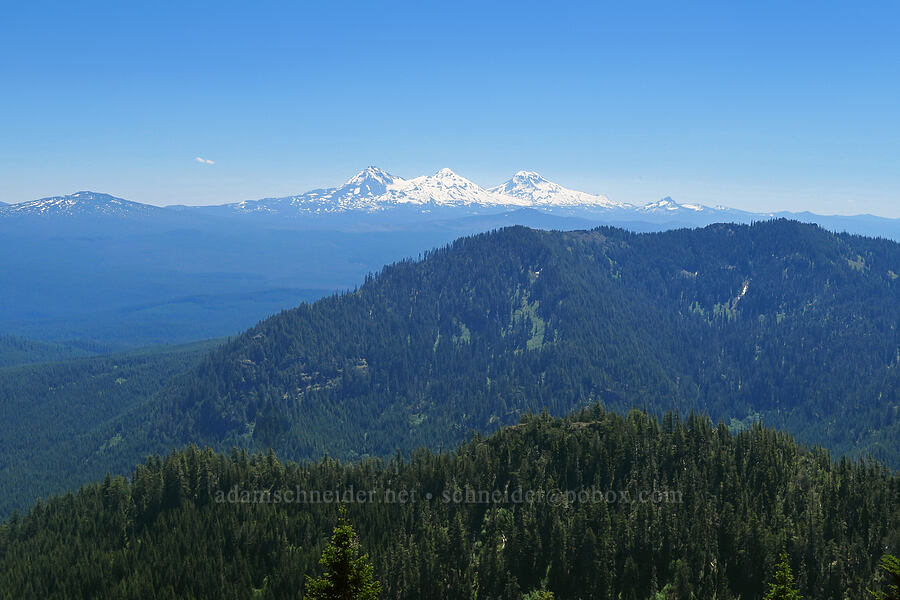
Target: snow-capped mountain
(373, 190)
(80, 204)
(446, 188)
(667, 205)
(369, 190)
(538, 192)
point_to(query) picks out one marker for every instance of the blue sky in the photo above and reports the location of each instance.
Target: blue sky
(767, 106)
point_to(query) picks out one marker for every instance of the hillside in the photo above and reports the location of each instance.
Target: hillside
(55, 412)
(726, 505)
(20, 351)
(777, 322)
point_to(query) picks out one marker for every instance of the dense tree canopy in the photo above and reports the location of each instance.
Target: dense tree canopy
(54, 434)
(197, 524)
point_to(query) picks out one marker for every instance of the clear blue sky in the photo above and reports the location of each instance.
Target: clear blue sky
(782, 105)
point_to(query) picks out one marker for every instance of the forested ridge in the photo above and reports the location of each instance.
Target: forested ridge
(777, 321)
(168, 531)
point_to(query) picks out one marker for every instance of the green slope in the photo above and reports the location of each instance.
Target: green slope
(780, 322)
(777, 321)
(21, 351)
(731, 504)
(56, 416)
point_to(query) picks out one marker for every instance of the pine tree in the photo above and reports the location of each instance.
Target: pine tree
(783, 588)
(348, 575)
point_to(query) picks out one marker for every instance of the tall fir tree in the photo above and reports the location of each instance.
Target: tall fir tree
(348, 573)
(783, 588)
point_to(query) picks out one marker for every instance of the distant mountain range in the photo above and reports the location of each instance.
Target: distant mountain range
(446, 193)
(374, 195)
(374, 190)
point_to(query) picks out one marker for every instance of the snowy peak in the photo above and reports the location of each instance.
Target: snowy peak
(524, 183)
(371, 178)
(446, 174)
(528, 177)
(368, 183)
(81, 204)
(667, 205)
(372, 189)
(446, 188)
(529, 186)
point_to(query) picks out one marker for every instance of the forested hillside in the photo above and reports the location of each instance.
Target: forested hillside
(778, 321)
(20, 351)
(726, 505)
(53, 430)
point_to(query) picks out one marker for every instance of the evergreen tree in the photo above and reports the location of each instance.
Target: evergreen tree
(783, 588)
(348, 575)
(890, 565)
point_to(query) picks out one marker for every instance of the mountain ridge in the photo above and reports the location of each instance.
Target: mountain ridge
(727, 320)
(443, 189)
(376, 199)
(82, 203)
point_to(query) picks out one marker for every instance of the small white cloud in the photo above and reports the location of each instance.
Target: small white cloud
(205, 161)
